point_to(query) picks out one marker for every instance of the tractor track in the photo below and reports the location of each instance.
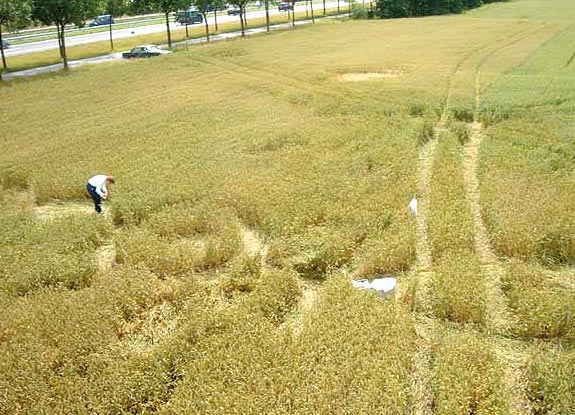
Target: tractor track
(490, 50)
(296, 84)
(499, 317)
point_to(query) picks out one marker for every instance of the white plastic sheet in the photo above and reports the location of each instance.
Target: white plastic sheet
(413, 207)
(383, 287)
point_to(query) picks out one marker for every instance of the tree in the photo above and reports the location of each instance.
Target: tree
(204, 7)
(217, 5)
(62, 13)
(392, 8)
(312, 16)
(292, 2)
(311, 9)
(14, 14)
(241, 4)
(267, 7)
(410, 8)
(167, 7)
(114, 8)
(136, 7)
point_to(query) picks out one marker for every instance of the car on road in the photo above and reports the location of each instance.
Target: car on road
(210, 7)
(233, 10)
(285, 6)
(102, 20)
(5, 44)
(144, 51)
(189, 17)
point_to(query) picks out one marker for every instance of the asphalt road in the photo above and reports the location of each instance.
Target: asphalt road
(123, 33)
(43, 45)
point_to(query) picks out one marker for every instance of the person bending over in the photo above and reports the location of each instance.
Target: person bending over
(96, 187)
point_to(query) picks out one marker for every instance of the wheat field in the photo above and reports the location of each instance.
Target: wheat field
(255, 179)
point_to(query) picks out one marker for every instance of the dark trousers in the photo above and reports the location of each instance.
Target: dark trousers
(95, 197)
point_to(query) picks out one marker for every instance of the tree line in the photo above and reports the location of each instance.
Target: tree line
(389, 9)
(18, 14)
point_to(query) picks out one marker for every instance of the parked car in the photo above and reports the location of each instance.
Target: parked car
(144, 51)
(285, 6)
(5, 44)
(102, 20)
(233, 10)
(189, 17)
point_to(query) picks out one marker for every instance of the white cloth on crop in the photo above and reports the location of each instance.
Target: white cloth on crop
(384, 287)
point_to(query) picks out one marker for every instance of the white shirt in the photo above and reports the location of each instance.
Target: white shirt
(99, 182)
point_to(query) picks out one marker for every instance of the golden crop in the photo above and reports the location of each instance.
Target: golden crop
(255, 178)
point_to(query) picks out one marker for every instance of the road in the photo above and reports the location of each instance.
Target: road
(118, 55)
(50, 44)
